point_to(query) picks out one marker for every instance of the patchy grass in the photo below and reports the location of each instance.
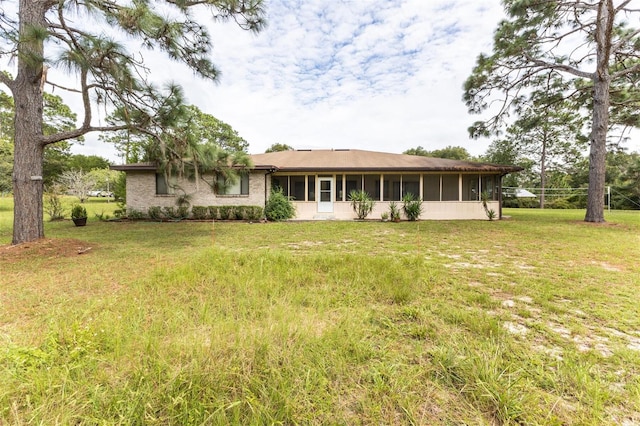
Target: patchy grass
(531, 320)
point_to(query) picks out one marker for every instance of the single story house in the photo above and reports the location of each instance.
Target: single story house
(319, 182)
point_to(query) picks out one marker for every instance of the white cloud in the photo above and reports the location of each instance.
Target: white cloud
(377, 74)
(368, 74)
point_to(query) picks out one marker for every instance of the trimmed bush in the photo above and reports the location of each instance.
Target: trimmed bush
(279, 207)
(200, 212)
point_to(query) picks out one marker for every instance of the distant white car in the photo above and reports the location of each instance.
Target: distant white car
(100, 194)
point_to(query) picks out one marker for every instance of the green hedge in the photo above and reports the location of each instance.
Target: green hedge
(227, 212)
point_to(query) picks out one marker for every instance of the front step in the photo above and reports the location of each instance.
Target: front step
(324, 217)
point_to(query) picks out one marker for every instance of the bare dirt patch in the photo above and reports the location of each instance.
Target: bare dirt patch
(45, 248)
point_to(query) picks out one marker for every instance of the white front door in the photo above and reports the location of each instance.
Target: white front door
(325, 195)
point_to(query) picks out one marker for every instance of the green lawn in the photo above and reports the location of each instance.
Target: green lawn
(531, 320)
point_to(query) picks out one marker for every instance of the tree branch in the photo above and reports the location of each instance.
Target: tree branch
(7, 81)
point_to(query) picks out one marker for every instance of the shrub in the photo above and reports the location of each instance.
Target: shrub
(394, 211)
(182, 212)
(227, 213)
(200, 212)
(255, 212)
(412, 206)
(78, 212)
(279, 207)
(362, 203)
(53, 206)
(169, 212)
(154, 212)
(559, 203)
(134, 214)
(214, 212)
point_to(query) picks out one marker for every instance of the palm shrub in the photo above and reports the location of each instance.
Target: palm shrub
(361, 202)
(394, 211)
(412, 206)
(491, 213)
(279, 207)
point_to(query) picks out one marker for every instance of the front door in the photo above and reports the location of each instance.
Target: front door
(325, 199)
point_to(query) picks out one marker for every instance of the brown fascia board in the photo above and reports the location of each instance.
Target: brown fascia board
(486, 168)
(134, 167)
(146, 167)
(481, 169)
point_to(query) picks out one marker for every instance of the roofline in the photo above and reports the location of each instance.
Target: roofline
(273, 169)
(495, 169)
(133, 167)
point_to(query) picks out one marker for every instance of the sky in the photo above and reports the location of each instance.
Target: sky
(382, 75)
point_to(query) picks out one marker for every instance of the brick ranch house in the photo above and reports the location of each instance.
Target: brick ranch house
(319, 183)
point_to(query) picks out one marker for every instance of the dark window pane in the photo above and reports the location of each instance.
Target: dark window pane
(372, 186)
(244, 184)
(311, 183)
(353, 183)
(281, 182)
(161, 184)
(489, 185)
(431, 187)
(391, 188)
(411, 185)
(296, 187)
(450, 188)
(470, 190)
(339, 192)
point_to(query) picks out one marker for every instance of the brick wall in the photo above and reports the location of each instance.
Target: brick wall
(141, 192)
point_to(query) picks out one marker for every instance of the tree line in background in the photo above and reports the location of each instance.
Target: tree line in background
(550, 151)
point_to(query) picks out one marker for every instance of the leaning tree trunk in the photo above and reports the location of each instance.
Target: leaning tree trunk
(601, 103)
(28, 149)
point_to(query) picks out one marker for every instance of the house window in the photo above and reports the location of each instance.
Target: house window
(280, 182)
(353, 183)
(339, 192)
(391, 188)
(450, 187)
(162, 188)
(372, 186)
(296, 187)
(489, 185)
(431, 188)
(470, 187)
(311, 188)
(239, 187)
(411, 185)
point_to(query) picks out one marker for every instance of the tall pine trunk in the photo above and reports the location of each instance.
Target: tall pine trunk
(600, 124)
(28, 223)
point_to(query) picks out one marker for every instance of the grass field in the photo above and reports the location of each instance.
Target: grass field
(530, 320)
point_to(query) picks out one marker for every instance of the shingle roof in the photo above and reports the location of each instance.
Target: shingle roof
(346, 160)
(359, 160)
